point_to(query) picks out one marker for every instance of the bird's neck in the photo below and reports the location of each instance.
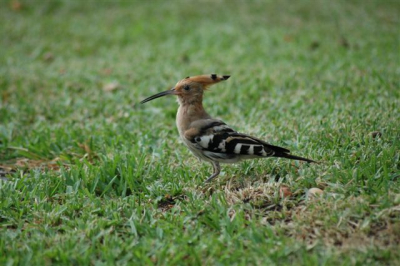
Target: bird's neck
(188, 113)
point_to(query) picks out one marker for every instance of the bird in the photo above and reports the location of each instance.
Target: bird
(210, 139)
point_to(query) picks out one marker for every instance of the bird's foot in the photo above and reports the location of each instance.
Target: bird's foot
(211, 178)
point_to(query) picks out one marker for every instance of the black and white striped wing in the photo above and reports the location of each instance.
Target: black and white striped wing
(218, 140)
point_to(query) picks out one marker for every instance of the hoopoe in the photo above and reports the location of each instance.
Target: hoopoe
(211, 139)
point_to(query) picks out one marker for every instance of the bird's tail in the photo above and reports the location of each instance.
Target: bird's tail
(285, 153)
(294, 157)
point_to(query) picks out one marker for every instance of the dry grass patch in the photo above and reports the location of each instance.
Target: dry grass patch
(332, 219)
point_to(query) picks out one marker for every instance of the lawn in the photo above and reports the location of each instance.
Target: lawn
(91, 177)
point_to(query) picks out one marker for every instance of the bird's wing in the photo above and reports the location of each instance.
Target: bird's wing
(215, 136)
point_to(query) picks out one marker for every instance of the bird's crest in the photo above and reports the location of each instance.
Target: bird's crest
(205, 80)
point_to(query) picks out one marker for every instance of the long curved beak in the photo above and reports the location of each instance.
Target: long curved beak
(158, 95)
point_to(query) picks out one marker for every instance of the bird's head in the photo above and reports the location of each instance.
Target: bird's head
(190, 89)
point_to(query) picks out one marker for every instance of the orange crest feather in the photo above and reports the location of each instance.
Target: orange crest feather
(205, 80)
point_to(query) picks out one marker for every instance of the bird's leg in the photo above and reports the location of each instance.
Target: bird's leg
(217, 170)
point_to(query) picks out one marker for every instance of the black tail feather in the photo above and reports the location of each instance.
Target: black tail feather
(294, 157)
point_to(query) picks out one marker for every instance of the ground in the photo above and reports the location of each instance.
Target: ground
(89, 176)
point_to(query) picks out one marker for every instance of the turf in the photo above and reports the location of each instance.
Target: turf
(89, 176)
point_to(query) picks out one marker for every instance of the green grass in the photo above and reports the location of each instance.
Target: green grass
(95, 178)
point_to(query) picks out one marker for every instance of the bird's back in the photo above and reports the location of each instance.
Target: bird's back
(215, 140)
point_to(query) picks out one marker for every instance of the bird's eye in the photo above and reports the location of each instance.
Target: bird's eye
(186, 88)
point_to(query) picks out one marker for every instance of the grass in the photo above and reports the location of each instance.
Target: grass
(89, 176)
